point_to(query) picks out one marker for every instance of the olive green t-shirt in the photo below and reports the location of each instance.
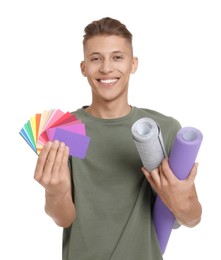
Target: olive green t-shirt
(113, 199)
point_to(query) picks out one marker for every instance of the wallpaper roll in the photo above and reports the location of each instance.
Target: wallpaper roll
(182, 158)
(149, 143)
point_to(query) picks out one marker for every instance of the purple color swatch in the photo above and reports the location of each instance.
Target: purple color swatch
(182, 158)
(75, 128)
(77, 143)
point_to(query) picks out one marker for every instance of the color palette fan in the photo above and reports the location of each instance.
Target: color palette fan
(55, 124)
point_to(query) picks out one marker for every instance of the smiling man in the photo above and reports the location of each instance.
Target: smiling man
(108, 63)
(104, 202)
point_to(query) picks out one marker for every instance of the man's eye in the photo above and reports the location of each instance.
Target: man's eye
(95, 59)
(118, 57)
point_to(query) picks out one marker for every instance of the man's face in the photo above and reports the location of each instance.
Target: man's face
(108, 63)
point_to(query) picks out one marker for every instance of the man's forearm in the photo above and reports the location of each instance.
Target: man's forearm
(60, 209)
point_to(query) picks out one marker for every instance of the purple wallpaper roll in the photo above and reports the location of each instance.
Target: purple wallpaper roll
(182, 157)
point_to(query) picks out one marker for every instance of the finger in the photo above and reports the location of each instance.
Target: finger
(58, 161)
(41, 161)
(163, 179)
(166, 171)
(64, 165)
(155, 175)
(193, 173)
(50, 162)
(149, 177)
(65, 157)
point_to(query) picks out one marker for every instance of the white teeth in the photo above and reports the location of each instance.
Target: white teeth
(108, 81)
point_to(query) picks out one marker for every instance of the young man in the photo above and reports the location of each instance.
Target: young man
(104, 202)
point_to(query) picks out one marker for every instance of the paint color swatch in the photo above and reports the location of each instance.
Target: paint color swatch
(56, 125)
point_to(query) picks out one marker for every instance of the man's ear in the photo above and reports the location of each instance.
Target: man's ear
(134, 65)
(82, 65)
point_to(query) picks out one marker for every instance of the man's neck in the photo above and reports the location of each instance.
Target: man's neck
(109, 110)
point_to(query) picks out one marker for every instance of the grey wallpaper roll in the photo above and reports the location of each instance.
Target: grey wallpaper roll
(148, 139)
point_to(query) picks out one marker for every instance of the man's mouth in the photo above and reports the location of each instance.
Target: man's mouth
(108, 81)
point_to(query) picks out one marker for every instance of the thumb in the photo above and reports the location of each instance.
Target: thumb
(193, 172)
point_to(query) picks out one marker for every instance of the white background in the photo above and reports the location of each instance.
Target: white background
(178, 44)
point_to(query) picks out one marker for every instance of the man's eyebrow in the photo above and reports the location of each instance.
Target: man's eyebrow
(99, 53)
(94, 53)
(117, 51)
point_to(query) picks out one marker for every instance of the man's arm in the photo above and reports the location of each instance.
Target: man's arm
(61, 210)
(53, 174)
(179, 196)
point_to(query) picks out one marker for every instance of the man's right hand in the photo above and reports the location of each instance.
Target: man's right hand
(52, 170)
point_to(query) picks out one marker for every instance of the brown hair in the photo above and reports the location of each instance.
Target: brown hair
(106, 26)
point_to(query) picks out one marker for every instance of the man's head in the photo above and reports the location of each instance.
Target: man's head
(108, 59)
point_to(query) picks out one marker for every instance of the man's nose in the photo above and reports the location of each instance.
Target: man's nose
(106, 66)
